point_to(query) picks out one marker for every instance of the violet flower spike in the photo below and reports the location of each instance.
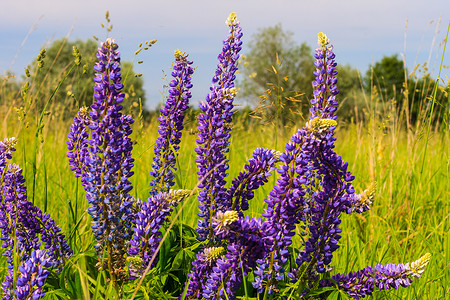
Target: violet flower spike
(78, 152)
(104, 161)
(333, 194)
(256, 173)
(308, 158)
(148, 221)
(26, 229)
(33, 273)
(171, 125)
(324, 103)
(214, 131)
(382, 277)
(245, 247)
(202, 267)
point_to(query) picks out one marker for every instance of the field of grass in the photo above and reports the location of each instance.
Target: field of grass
(409, 217)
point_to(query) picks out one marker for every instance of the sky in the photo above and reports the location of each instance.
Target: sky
(362, 31)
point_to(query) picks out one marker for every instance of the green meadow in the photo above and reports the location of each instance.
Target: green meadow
(409, 160)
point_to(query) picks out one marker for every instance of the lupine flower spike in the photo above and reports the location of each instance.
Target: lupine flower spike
(27, 233)
(214, 131)
(171, 125)
(153, 213)
(149, 219)
(382, 277)
(313, 189)
(100, 153)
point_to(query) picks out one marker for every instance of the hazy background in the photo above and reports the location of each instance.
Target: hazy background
(362, 31)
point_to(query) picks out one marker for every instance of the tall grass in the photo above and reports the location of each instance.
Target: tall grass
(409, 217)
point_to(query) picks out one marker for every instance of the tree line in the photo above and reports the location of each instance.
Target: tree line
(275, 81)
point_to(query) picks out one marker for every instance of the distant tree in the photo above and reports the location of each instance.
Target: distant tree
(350, 89)
(280, 69)
(77, 88)
(388, 75)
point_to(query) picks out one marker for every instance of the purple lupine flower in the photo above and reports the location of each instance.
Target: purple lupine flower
(20, 218)
(78, 142)
(212, 278)
(24, 223)
(256, 173)
(245, 247)
(313, 188)
(362, 283)
(104, 161)
(284, 204)
(214, 127)
(333, 194)
(6, 149)
(202, 267)
(32, 275)
(171, 125)
(148, 221)
(324, 103)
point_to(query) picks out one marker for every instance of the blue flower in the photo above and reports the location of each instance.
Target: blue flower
(100, 152)
(171, 125)
(214, 131)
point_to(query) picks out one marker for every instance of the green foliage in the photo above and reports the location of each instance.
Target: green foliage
(76, 89)
(388, 75)
(350, 94)
(279, 68)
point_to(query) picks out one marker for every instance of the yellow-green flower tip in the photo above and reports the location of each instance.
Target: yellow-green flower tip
(213, 253)
(323, 40)
(232, 20)
(135, 262)
(418, 267)
(83, 110)
(368, 195)
(179, 55)
(230, 216)
(276, 153)
(179, 195)
(230, 93)
(223, 220)
(110, 41)
(10, 143)
(371, 190)
(319, 125)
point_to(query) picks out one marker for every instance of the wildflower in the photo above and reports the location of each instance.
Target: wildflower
(313, 188)
(100, 152)
(256, 173)
(148, 221)
(33, 273)
(214, 131)
(362, 283)
(324, 103)
(201, 267)
(78, 142)
(245, 247)
(25, 229)
(171, 124)
(362, 202)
